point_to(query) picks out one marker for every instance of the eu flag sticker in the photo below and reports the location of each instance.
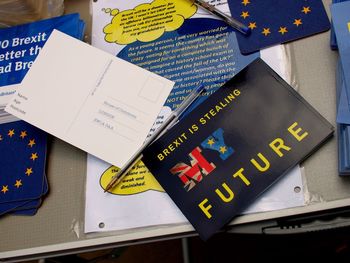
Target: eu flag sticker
(22, 162)
(277, 21)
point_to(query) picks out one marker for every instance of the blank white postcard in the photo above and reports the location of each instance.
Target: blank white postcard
(90, 99)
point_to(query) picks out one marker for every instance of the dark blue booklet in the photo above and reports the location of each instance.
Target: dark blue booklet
(225, 153)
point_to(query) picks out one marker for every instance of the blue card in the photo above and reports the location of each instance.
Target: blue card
(341, 23)
(22, 162)
(343, 129)
(25, 207)
(26, 212)
(36, 202)
(11, 206)
(277, 21)
(333, 38)
(343, 110)
(29, 209)
(343, 149)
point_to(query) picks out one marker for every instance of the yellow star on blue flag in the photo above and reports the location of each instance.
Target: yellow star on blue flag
(277, 21)
(216, 143)
(22, 164)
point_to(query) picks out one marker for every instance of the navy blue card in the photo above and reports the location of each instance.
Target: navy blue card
(22, 162)
(20, 207)
(29, 209)
(30, 205)
(11, 206)
(26, 212)
(230, 149)
(33, 204)
(277, 21)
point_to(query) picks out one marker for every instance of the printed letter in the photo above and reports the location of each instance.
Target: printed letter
(258, 166)
(160, 157)
(205, 209)
(230, 196)
(216, 142)
(191, 173)
(280, 145)
(239, 173)
(296, 132)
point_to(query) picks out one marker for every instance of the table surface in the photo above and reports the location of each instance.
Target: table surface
(58, 226)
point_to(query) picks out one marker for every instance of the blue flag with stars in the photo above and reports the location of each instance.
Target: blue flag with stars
(277, 21)
(25, 207)
(22, 163)
(216, 142)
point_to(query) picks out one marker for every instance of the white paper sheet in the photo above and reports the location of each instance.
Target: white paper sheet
(124, 211)
(90, 99)
(153, 207)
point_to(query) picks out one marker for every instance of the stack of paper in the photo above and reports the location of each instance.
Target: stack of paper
(341, 24)
(23, 182)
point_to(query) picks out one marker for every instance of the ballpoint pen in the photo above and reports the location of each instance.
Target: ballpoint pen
(167, 124)
(228, 19)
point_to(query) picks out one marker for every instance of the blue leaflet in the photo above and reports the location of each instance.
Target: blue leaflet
(341, 23)
(196, 34)
(277, 21)
(343, 129)
(19, 45)
(333, 39)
